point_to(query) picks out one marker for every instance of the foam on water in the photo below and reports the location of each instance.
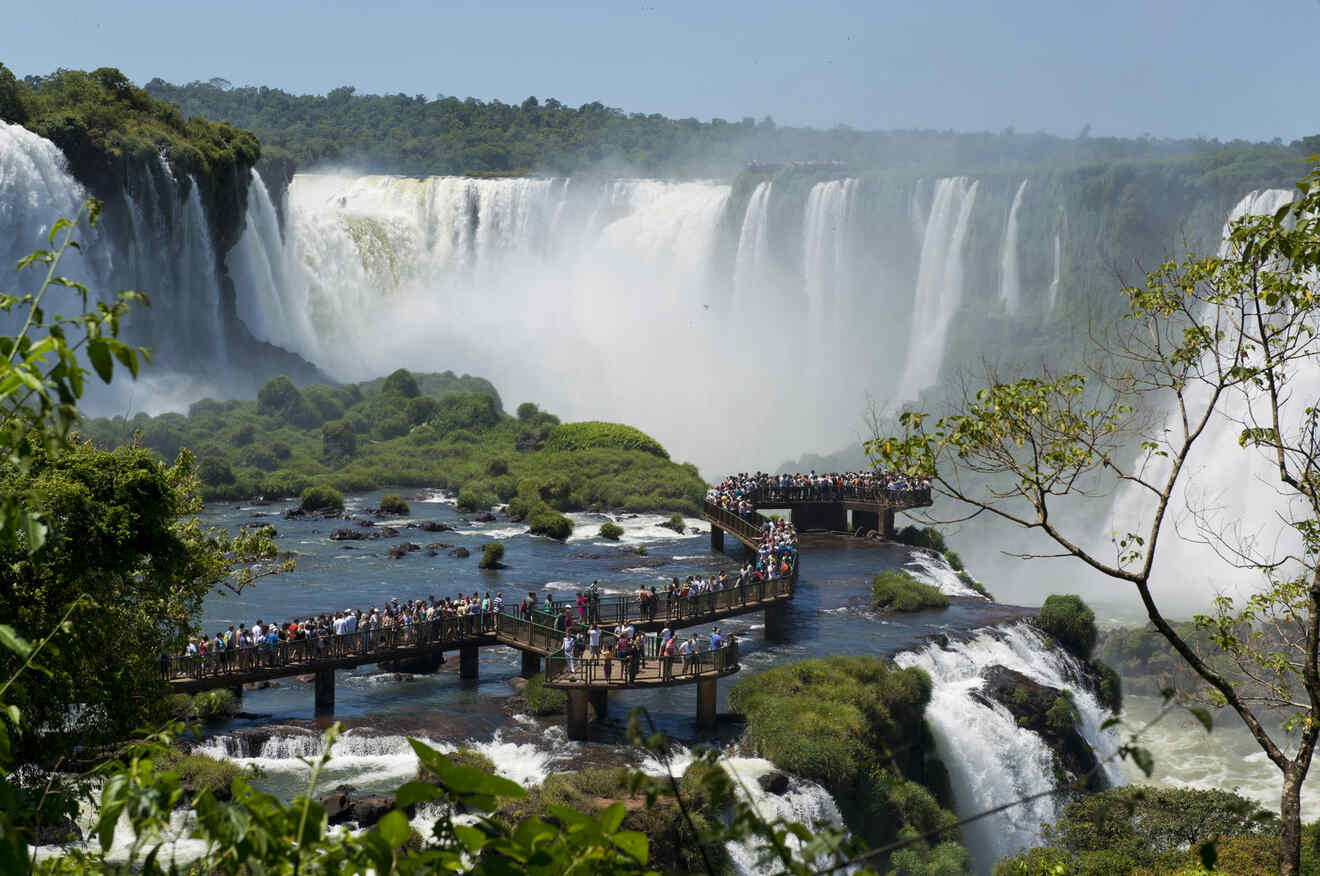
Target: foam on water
(804, 801)
(931, 568)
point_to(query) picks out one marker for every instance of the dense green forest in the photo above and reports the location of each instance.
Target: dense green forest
(412, 134)
(428, 430)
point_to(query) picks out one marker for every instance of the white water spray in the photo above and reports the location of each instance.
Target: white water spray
(1010, 283)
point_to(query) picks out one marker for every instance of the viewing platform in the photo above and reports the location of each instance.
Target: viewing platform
(838, 509)
(536, 636)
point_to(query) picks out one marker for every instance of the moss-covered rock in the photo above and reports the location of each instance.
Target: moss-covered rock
(1070, 622)
(896, 590)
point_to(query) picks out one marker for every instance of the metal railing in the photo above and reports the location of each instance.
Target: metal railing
(748, 528)
(622, 671)
(315, 649)
(674, 609)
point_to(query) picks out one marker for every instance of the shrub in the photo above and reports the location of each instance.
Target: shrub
(281, 450)
(215, 705)
(1111, 686)
(612, 531)
(980, 588)
(955, 562)
(581, 436)
(401, 383)
(527, 411)
(321, 499)
(420, 409)
(214, 471)
(259, 457)
(1070, 622)
(929, 538)
(676, 523)
(476, 411)
(392, 503)
(470, 499)
(497, 467)
(542, 700)
(245, 435)
(544, 520)
(198, 773)
(491, 555)
(898, 591)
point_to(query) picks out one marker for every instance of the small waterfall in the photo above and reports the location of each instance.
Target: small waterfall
(1010, 284)
(991, 760)
(261, 279)
(197, 289)
(825, 260)
(751, 265)
(804, 801)
(939, 281)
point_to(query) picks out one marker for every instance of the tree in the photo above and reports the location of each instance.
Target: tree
(1222, 339)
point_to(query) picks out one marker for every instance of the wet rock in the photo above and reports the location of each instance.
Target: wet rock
(404, 548)
(346, 534)
(432, 526)
(367, 811)
(696, 530)
(1049, 713)
(774, 783)
(460, 553)
(59, 832)
(336, 806)
(365, 523)
(260, 685)
(388, 532)
(485, 517)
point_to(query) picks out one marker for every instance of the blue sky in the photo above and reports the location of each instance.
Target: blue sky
(1175, 68)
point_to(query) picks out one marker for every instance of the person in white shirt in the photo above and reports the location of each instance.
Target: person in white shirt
(568, 652)
(593, 641)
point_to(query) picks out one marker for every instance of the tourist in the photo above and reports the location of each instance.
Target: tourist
(568, 652)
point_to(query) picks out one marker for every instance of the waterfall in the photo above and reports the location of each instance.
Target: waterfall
(825, 260)
(1223, 486)
(991, 760)
(939, 281)
(1010, 284)
(1058, 267)
(198, 284)
(261, 279)
(751, 265)
(805, 802)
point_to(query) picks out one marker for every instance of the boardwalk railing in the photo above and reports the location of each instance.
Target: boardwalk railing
(746, 530)
(612, 610)
(617, 671)
(316, 649)
(772, 496)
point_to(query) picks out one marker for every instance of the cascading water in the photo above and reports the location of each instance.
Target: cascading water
(991, 760)
(1222, 486)
(1010, 283)
(939, 281)
(752, 262)
(825, 259)
(804, 802)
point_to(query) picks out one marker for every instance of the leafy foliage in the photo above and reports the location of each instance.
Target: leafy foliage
(611, 531)
(582, 436)
(1070, 621)
(316, 499)
(491, 555)
(392, 503)
(896, 590)
(542, 700)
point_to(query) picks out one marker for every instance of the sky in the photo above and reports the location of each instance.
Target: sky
(1170, 69)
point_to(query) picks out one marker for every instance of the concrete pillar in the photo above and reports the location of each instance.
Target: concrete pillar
(468, 661)
(889, 531)
(531, 663)
(706, 703)
(577, 714)
(865, 521)
(237, 691)
(600, 700)
(776, 622)
(716, 538)
(819, 515)
(325, 692)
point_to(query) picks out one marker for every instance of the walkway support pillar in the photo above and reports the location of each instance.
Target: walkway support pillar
(325, 692)
(889, 524)
(776, 621)
(468, 661)
(600, 701)
(237, 691)
(531, 664)
(866, 521)
(577, 714)
(706, 703)
(716, 538)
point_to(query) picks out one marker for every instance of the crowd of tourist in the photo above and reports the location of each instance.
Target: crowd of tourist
(251, 646)
(741, 492)
(590, 654)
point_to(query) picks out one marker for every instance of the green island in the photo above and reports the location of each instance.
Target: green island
(437, 431)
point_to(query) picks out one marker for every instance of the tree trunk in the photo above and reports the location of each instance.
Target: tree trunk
(1290, 818)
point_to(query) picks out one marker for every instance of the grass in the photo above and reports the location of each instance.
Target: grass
(895, 590)
(542, 700)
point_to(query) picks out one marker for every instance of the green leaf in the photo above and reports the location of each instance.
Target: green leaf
(1203, 716)
(413, 793)
(394, 828)
(14, 642)
(612, 817)
(99, 354)
(632, 843)
(472, 839)
(1145, 762)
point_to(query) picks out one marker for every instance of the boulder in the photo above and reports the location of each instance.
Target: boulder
(403, 548)
(774, 783)
(485, 517)
(460, 553)
(1049, 713)
(365, 523)
(346, 534)
(432, 526)
(388, 532)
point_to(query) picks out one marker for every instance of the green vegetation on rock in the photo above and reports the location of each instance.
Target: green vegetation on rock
(321, 499)
(542, 700)
(392, 503)
(380, 434)
(1070, 622)
(582, 436)
(897, 590)
(611, 531)
(491, 555)
(855, 725)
